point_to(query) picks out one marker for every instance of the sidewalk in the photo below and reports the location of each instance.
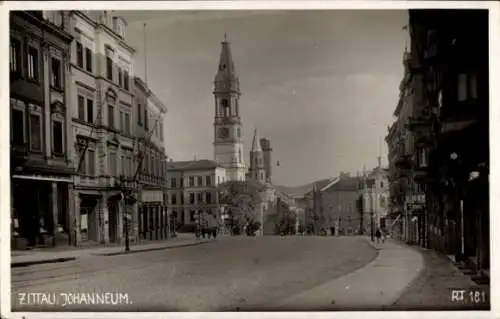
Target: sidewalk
(433, 288)
(23, 259)
(374, 287)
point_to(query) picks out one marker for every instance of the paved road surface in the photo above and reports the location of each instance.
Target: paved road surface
(218, 276)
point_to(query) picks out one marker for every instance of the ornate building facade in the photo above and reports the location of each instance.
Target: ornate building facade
(41, 149)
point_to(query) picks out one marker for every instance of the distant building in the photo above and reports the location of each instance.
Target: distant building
(192, 190)
(374, 190)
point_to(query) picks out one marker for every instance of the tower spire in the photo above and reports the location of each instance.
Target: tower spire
(256, 142)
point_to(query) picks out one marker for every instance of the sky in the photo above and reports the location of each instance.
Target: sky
(321, 85)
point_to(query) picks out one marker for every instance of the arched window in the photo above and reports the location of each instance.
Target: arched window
(225, 107)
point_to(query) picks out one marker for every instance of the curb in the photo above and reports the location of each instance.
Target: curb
(150, 249)
(39, 262)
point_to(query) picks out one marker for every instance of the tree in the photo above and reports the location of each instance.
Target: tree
(240, 199)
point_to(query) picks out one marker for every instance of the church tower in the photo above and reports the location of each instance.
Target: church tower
(228, 135)
(257, 170)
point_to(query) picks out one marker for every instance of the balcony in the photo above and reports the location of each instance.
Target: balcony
(420, 175)
(404, 161)
(420, 123)
(423, 141)
(465, 110)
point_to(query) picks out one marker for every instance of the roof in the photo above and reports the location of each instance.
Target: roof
(345, 183)
(303, 190)
(256, 142)
(191, 165)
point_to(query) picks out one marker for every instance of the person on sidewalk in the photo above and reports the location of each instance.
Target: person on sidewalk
(378, 234)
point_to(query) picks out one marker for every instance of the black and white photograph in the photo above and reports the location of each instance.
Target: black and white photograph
(248, 160)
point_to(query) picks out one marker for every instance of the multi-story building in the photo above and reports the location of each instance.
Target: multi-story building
(41, 153)
(192, 190)
(102, 115)
(406, 196)
(451, 128)
(333, 206)
(374, 189)
(152, 220)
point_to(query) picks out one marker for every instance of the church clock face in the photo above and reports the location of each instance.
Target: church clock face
(223, 133)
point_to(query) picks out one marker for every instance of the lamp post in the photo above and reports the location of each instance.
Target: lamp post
(125, 216)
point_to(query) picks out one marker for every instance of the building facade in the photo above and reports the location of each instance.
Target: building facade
(152, 222)
(228, 128)
(102, 117)
(192, 191)
(40, 137)
(375, 196)
(451, 128)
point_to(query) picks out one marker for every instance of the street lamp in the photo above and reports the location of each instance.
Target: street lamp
(125, 213)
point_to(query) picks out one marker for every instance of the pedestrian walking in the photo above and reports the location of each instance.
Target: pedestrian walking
(378, 234)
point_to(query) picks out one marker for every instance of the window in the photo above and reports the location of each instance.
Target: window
(139, 114)
(181, 182)
(173, 182)
(123, 164)
(127, 123)
(192, 215)
(225, 107)
(33, 63)
(467, 86)
(120, 82)
(113, 165)
(191, 198)
(209, 198)
(191, 181)
(35, 132)
(238, 133)
(81, 108)
(79, 55)
(56, 78)
(57, 131)
(18, 124)
(15, 55)
(200, 181)
(90, 111)
(146, 124)
(88, 59)
(109, 68)
(122, 122)
(208, 180)
(173, 199)
(91, 162)
(111, 116)
(182, 199)
(200, 197)
(125, 80)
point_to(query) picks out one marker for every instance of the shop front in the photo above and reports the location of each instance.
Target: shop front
(153, 222)
(40, 211)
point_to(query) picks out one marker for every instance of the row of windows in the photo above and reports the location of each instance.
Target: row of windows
(33, 64)
(192, 198)
(84, 60)
(27, 117)
(191, 181)
(117, 165)
(154, 164)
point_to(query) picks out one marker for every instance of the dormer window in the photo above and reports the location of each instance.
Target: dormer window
(119, 26)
